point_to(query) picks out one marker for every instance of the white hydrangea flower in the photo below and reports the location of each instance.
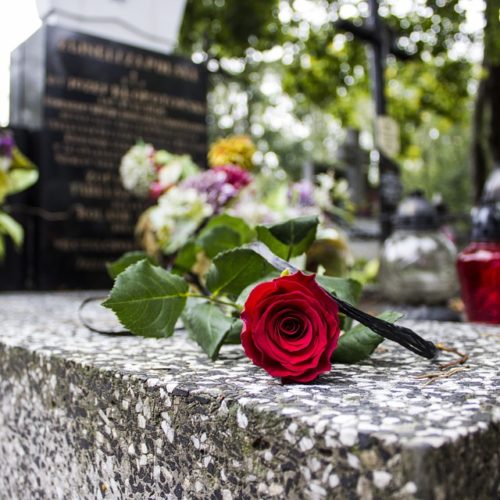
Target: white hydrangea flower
(137, 169)
(178, 214)
(170, 173)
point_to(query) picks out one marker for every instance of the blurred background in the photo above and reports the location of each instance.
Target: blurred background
(285, 73)
(398, 101)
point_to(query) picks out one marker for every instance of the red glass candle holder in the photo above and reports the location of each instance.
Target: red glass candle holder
(479, 273)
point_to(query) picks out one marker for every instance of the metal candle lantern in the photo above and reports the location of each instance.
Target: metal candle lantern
(418, 261)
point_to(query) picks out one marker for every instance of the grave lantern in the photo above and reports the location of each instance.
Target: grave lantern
(417, 263)
(479, 264)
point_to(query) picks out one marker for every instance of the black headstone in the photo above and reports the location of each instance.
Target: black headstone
(87, 101)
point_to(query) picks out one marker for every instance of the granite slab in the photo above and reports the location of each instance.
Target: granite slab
(85, 415)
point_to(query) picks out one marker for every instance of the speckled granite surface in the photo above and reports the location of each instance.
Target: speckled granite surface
(84, 415)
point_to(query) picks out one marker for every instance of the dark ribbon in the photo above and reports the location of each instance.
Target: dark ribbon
(400, 334)
(88, 325)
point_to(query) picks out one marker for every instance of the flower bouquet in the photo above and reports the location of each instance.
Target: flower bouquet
(230, 280)
(17, 173)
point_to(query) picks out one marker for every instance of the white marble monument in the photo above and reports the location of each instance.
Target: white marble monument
(149, 24)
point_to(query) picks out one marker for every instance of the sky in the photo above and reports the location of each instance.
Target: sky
(19, 19)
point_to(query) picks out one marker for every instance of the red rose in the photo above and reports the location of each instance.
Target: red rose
(291, 327)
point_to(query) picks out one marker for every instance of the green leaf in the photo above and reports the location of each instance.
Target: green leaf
(359, 342)
(147, 299)
(234, 334)
(291, 238)
(11, 228)
(235, 223)
(4, 185)
(218, 239)
(234, 270)
(186, 258)
(207, 325)
(345, 289)
(20, 161)
(118, 266)
(222, 233)
(21, 180)
(23, 173)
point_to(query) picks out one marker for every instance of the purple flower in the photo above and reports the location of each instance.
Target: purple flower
(219, 185)
(302, 193)
(6, 145)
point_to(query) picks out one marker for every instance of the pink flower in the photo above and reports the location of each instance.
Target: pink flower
(235, 175)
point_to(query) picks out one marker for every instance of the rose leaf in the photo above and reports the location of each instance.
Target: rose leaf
(291, 238)
(185, 258)
(234, 270)
(345, 289)
(218, 239)
(127, 259)
(147, 299)
(207, 325)
(222, 233)
(234, 334)
(359, 342)
(235, 223)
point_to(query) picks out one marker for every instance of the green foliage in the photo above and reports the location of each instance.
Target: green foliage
(218, 239)
(118, 266)
(228, 26)
(234, 270)
(186, 258)
(345, 289)
(207, 325)
(23, 173)
(359, 342)
(492, 33)
(440, 166)
(234, 334)
(20, 175)
(291, 238)
(147, 299)
(9, 227)
(222, 233)
(235, 223)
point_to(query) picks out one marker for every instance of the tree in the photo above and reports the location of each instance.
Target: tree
(323, 72)
(485, 150)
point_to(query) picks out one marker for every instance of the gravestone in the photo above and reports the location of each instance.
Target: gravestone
(86, 101)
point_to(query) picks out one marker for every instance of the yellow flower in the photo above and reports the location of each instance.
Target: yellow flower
(234, 150)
